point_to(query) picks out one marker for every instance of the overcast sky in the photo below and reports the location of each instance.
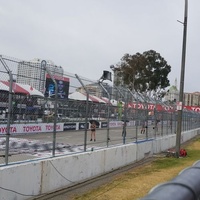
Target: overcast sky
(87, 36)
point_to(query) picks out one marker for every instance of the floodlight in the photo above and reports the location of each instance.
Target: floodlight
(106, 76)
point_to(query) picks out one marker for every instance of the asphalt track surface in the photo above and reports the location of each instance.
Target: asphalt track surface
(115, 135)
(34, 146)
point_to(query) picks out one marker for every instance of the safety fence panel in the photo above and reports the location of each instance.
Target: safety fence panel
(45, 112)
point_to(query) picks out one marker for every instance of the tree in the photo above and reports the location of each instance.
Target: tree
(143, 72)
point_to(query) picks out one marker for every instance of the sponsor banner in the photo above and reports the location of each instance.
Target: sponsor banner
(104, 124)
(162, 107)
(30, 128)
(193, 108)
(115, 124)
(69, 126)
(82, 126)
(49, 127)
(150, 106)
(131, 123)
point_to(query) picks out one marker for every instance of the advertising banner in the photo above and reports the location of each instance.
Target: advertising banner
(82, 126)
(69, 126)
(104, 124)
(193, 108)
(30, 128)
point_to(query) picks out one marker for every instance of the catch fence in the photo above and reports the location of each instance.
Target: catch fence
(46, 112)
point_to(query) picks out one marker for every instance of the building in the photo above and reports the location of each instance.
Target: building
(189, 98)
(172, 94)
(192, 99)
(31, 73)
(96, 90)
(93, 89)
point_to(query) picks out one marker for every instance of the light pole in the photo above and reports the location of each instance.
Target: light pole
(180, 107)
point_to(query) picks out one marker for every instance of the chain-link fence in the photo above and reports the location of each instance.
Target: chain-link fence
(47, 112)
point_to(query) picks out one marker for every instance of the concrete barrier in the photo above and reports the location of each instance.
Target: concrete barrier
(26, 180)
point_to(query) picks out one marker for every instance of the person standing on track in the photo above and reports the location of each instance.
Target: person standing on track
(93, 131)
(144, 127)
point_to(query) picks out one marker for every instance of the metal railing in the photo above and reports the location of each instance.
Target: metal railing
(184, 186)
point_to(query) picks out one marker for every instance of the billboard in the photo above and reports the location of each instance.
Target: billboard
(69, 126)
(63, 87)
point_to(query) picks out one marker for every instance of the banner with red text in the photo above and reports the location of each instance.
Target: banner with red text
(30, 128)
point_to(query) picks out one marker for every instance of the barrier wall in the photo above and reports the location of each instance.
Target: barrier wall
(26, 180)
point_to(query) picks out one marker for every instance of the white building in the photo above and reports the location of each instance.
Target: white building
(192, 99)
(173, 94)
(32, 74)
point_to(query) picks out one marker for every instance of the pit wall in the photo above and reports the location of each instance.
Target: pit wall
(35, 178)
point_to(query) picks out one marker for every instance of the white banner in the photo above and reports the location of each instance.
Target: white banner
(31, 128)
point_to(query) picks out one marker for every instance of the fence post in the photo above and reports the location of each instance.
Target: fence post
(108, 114)
(155, 116)
(86, 117)
(145, 103)
(136, 118)
(125, 114)
(43, 64)
(9, 109)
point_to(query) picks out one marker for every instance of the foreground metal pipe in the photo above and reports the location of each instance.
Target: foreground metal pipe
(184, 186)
